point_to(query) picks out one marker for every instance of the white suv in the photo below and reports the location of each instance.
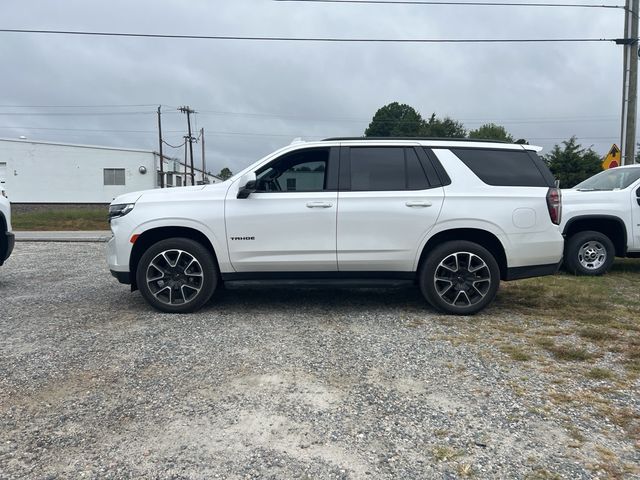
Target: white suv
(454, 216)
(6, 236)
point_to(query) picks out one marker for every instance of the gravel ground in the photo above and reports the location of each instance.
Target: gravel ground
(262, 383)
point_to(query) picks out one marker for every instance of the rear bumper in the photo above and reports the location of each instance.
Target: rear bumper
(518, 273)
(123, 277)
(6, 246)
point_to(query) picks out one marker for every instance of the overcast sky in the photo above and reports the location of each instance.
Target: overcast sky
(255, 97)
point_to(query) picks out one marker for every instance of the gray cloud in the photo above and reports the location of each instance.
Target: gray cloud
(542, 92)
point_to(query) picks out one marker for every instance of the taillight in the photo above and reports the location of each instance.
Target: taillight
(554, 203)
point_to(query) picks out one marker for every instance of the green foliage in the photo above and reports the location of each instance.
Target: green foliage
(491, 131)
(571, 164)
(225, 173)
(445, 128)
(401, 120)
(62, 219)
(395, 120)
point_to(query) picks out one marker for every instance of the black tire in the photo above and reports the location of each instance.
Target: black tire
(479, 283)
(589, 253)
(180, 288)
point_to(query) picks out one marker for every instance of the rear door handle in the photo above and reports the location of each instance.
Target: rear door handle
(319, 205)
(418, 204)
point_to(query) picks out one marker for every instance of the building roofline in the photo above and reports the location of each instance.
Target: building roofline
(78, 145)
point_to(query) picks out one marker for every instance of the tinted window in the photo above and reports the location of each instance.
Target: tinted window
(502, 167)
(416, 178)
(383, 168)
(298, 172)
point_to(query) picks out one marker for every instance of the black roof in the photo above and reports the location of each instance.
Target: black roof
(441, 139)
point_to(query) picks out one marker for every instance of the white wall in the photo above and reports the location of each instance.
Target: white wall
(56, 173)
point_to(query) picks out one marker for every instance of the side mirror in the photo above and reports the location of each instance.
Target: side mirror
(247, 190)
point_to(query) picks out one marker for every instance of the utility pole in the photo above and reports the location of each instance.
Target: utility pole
(189, 111)
(184, 183)
(203, 162)
(160, 148)
(630, 82)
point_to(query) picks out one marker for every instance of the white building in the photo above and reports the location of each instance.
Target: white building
(47, 172)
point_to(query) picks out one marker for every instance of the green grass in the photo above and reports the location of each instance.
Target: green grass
(69, 220)
(600, 374)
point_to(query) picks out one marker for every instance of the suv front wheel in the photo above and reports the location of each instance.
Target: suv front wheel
(460, 277)
(177, 275)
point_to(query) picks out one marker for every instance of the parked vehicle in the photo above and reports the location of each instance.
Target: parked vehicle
(454, 216)
(6, 236)
(601, 220)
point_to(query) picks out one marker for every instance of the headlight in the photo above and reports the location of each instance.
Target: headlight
(120, 210)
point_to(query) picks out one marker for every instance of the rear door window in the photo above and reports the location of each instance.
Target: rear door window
(505, 168)
(386, 169)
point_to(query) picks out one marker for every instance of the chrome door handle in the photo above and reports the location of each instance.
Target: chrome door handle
(418, 204)
(319, 205)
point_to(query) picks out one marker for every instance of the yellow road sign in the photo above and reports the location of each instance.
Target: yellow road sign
(612, 160)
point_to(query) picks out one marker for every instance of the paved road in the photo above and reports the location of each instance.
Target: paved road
(262, 383)
(55, 236)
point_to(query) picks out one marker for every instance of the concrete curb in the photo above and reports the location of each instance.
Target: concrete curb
(95, 237)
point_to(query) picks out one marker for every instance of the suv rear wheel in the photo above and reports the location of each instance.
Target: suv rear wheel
(589, 253)
(177, 275)
(460, 277)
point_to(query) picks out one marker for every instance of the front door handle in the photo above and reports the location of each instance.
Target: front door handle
(319, 205)
(418, 204)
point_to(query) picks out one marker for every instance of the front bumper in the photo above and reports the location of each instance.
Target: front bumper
(6, 246)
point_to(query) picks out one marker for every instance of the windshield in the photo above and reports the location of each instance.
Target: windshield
(613, 179)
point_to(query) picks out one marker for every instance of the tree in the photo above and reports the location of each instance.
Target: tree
(395, 120)
(225, 173)
(491, 131)
(572, 164)
(445, 128)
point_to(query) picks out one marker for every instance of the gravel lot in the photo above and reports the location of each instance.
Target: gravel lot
(264, 383)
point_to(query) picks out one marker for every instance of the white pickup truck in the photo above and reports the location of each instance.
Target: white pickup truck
(601, 220)
(6, 237)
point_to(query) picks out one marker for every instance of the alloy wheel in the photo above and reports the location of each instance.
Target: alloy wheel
(175, 277)
(462, 279)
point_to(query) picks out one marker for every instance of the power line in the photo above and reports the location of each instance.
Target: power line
(313, 39)
(79, 106)
(78, 114)
(90, 130)
(471, 3)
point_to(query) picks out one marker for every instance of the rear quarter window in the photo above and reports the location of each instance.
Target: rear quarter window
(505, 168)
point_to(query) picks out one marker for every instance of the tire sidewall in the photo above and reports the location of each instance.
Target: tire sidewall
(198, 251)
(573, 247)
(428, 270)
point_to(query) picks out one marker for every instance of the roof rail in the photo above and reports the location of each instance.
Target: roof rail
(441, 139)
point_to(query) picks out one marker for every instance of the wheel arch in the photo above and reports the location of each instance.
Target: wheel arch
(3, 238)
(154, 235)
(482, 237)
(609, 225)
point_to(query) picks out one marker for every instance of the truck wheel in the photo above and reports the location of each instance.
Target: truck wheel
(589, 253)
(460, 277)
(177, 275)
